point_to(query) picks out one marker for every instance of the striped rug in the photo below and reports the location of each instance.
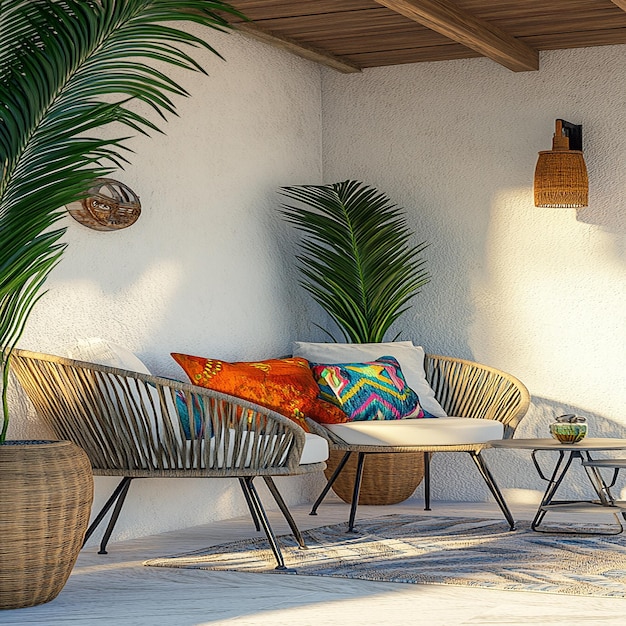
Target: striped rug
(435, 550)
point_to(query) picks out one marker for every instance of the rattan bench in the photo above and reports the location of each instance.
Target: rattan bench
(464, 389)
(139, 426)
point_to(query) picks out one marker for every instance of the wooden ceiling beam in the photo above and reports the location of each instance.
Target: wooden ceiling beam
(302, 50)
(446, 18)
(620, 3)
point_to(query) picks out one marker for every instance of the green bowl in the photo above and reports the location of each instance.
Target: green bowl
(568, 433)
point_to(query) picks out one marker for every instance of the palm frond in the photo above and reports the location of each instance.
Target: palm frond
(357, 262)
(67, 68)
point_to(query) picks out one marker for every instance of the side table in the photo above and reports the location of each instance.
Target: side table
(567, 452)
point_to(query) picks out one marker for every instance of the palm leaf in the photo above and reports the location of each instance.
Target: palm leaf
(357, 260)
(68, 68)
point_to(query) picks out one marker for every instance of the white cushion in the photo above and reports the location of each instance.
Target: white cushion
(410, 357)
(315, 449)
(103, 352)
(445, 431)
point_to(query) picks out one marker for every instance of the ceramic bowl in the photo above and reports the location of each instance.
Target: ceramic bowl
(568, 433)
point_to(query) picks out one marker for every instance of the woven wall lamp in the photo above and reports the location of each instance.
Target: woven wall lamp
(561, 174)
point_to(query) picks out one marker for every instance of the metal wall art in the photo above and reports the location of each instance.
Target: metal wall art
(110, 205)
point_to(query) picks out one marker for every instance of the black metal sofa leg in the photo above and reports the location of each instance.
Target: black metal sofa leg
(330, 483)
(356, 491)
(427, 457)
(493, 487)
(117, 497)
(271, 485)
(262, 516)
(246, 493)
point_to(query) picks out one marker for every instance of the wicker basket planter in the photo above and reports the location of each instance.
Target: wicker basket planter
(47, 491)
(387, 478)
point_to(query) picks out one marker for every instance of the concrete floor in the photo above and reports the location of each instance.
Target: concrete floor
(117, 589)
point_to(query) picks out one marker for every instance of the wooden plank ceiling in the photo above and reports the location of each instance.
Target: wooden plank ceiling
(350, 35)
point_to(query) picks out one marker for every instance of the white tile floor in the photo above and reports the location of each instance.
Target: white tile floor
(117, 589)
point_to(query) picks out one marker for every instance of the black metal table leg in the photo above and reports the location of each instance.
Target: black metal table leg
(560, 470)
(553, 483)
(595, 478)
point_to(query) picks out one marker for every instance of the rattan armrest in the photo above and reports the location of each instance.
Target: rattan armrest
(131, 422)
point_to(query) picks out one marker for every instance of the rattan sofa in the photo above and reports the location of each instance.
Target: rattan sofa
(464, 389)
(139, 426)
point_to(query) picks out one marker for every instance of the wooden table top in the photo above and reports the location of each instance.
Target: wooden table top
(588, 443)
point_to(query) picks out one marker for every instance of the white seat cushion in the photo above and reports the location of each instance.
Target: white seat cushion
(315, 449)
(443, 431)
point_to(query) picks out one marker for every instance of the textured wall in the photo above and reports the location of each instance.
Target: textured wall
(540, 293)
(208, 268)
(205, 270)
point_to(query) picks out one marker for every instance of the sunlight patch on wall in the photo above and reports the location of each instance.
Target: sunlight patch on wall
(550, 301)
(522, 496)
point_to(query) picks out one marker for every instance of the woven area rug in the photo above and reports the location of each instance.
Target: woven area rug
(435, 550)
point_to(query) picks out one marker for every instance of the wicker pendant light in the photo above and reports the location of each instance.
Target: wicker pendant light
(561, 174)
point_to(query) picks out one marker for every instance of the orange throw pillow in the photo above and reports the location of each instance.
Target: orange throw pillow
(286, 386)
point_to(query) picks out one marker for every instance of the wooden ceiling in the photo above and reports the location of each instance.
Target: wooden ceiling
(350, 35)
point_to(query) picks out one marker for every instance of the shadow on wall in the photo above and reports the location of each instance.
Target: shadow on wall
(524, 486)
(441, 315)
(542, 413)
(610, 217)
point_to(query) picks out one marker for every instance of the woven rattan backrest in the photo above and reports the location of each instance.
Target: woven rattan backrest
(468, 389)
(130, 421)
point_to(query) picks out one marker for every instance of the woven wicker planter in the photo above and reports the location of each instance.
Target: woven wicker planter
(387, 478)
(46, 494)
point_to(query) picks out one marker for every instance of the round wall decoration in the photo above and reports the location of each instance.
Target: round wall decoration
(110, 205)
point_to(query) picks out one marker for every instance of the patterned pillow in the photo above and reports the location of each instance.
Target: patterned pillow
(410, 357)
(185, 420)
(286, 386)
(368, 391)
(180, 401)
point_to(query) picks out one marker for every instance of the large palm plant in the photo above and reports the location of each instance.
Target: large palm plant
(358, 262)
(67, 68)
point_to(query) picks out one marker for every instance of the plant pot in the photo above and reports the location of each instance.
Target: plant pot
(387, 478)
(47, 491)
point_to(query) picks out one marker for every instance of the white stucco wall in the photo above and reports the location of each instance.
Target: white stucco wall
(538, 292)
(206, 269)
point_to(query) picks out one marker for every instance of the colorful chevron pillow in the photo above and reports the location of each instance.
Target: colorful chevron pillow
(368, 391)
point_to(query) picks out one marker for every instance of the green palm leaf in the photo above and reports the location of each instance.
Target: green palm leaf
(67, 68)
(357, 262)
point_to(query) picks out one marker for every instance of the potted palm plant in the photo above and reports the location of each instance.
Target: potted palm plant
(359, 265)
(67, 68)
(358, 262)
